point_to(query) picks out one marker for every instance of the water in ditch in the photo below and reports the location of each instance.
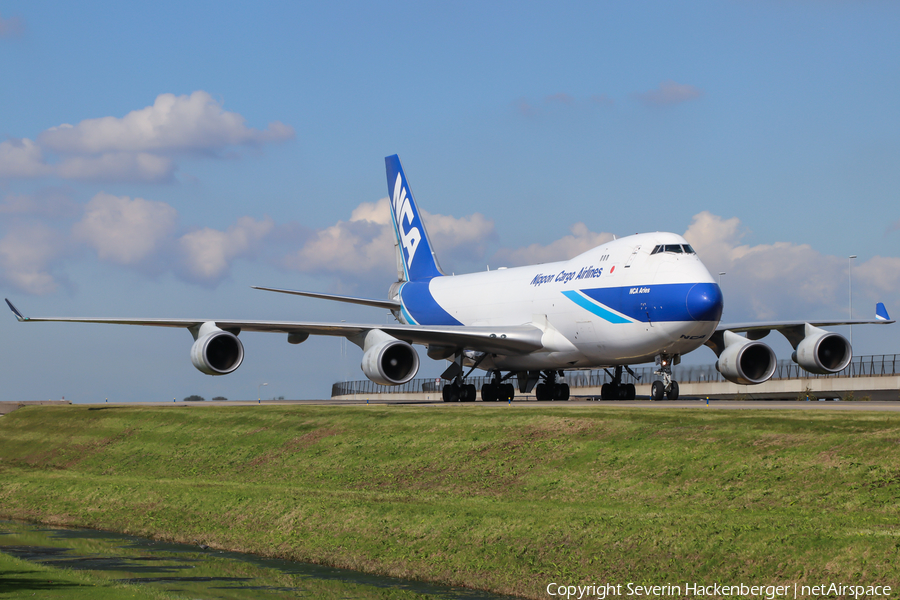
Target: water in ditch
(206, 573)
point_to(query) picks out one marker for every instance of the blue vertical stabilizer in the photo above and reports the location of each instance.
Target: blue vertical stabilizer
(416, 253)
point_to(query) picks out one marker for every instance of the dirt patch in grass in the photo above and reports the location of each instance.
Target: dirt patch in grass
(292, 446)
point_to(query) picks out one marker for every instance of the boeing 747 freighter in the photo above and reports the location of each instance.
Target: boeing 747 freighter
(637, 299)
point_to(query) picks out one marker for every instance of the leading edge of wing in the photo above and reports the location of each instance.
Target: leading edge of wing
(521, 339)
(779, 325)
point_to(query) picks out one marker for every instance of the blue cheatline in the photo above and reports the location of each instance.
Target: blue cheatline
(597, 309)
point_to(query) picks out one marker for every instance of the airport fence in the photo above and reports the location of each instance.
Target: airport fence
(883, 365)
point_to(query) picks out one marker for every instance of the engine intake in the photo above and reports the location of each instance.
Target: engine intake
(216, 351)
(823, 352)
(387, 360)
(745, 362)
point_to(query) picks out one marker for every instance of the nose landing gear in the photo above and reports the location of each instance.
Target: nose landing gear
(668, 387)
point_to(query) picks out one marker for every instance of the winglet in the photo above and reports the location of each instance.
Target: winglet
(19, 316)
(880, 312)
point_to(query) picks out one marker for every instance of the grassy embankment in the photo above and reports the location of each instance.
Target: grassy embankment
(498, 498)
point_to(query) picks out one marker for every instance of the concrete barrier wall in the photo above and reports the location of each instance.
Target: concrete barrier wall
(845, 388)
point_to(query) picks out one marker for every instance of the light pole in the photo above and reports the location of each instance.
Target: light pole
(850, 292)
(258, 394)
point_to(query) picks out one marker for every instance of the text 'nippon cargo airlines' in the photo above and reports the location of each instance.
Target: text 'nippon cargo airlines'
(638, 299)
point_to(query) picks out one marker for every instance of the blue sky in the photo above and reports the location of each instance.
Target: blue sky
(157, 160)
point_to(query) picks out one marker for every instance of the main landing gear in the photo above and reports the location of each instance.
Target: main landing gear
(615, 389)
(459, 392)
(668, 386)
(550, 389)
(497, 391)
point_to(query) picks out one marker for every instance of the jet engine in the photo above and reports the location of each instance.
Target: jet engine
(745, 362)
(389, 361)
(216, 351)
(822, 352)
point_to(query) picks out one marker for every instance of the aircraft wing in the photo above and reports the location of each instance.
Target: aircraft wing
(794, 331)
(881, 318)
(520, 339)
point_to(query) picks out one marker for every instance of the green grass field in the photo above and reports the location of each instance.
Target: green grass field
(497, 498)
(23, 579)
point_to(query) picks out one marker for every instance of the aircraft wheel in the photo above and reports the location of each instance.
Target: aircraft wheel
(507, 392)
(467, 393)
(657, 390)
(630, 392)
(563, 391)
(605, 392)
(448, 393)
(672, 394)
(540, 392)
(455, 393)
(489, 392)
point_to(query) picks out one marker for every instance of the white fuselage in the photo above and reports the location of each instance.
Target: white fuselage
(612, 305)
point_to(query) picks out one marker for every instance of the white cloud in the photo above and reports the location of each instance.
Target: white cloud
(26, 253)
(785, 280)
(123, 230)
(117, 166)
(459, 239)
(580, 240)
(207, 253)
(141, 146)
(669, 93)
(363, 246)
(879, 279)
(194, 123)
(48, 203)
(22, 158)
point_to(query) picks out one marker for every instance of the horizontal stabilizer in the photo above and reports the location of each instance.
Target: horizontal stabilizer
(388, 304)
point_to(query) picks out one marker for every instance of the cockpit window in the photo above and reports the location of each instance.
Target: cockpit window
(674, 248)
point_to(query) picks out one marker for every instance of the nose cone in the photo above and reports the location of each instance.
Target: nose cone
(704, 302)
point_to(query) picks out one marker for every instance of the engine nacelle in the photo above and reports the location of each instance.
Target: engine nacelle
(823, 352)
(216, 351)
(745, 362)
(389, 361)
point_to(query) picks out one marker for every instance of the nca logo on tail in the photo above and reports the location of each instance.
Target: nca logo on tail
(410, 239)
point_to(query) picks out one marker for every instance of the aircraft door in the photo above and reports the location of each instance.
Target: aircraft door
(634, 253)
